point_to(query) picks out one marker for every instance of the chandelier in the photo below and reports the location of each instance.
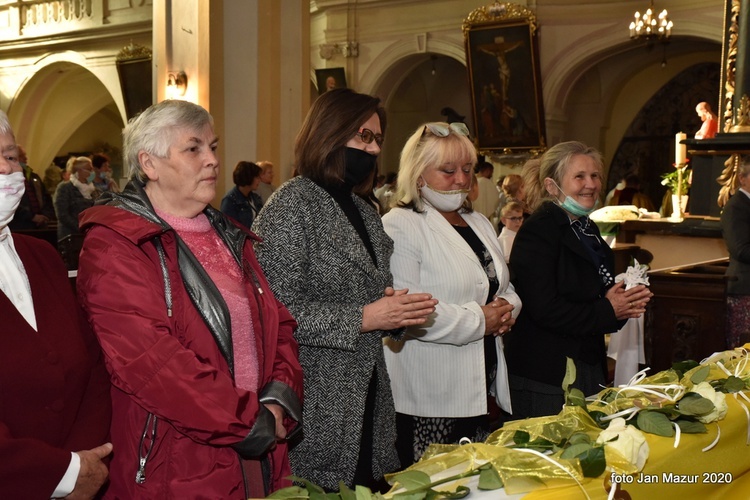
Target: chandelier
(650, 27)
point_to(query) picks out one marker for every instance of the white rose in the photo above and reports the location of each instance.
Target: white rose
(626, 440)
(717, 398)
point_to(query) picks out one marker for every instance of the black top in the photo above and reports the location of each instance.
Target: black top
(343, 196)
(485, 259)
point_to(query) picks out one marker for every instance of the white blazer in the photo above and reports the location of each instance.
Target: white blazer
(438, 368)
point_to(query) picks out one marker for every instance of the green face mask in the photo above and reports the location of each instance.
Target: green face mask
(572, 206)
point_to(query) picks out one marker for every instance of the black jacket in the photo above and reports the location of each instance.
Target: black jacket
(565, 312)
(735, 226)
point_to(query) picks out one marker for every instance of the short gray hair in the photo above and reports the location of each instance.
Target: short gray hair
(153, 131)
(5, 127)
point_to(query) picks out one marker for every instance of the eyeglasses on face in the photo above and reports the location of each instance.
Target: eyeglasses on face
(514, 219)
(441, 130)
(368, 136)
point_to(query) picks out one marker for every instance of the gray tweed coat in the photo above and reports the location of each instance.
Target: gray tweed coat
(319, 268)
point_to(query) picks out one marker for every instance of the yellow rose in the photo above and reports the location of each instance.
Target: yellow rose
(626, 440)
(717, 398)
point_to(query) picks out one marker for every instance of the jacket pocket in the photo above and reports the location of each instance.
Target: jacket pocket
(146, 446)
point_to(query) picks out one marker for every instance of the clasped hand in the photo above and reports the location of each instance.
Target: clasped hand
(498, 317)
(397, 309)
(628, 303)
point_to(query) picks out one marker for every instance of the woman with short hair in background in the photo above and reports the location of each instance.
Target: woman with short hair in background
(75, 195)
(241, 202)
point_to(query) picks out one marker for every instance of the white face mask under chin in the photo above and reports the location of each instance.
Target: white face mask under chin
(12, 188)
(444, 201)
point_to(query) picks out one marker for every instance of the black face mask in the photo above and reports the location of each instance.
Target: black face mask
(359, 165)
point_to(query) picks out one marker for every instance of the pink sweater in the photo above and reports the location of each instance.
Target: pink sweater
(227, 275)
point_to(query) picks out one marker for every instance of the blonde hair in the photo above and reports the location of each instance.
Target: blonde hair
(424, 150)
(511, 206)
(511, 184)
(75, 164)
(553, 164)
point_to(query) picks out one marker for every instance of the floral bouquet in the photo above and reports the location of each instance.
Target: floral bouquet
(588, 437)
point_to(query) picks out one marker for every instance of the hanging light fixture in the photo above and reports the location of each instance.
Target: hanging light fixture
(650, 27)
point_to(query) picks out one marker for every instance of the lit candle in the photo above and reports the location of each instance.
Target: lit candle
(680, 150)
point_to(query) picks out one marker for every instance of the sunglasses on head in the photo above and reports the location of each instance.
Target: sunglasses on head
(441, 130)
(368, 136)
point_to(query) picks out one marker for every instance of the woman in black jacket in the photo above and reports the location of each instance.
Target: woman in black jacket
(735, 227)
(563, 272)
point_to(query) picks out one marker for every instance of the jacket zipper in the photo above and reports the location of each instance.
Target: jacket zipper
(164, 275)
(149, 433)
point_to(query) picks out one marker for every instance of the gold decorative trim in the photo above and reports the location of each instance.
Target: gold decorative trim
(733, 31)
(728, 179)
(742, 116)
(498, 11)
(133, 52)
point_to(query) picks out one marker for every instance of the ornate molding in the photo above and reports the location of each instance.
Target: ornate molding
(133, 51)
(498, 12)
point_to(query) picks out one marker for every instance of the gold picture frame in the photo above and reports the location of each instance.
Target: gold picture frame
(502, 56)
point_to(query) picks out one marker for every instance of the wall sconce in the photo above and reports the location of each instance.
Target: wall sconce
(176, 84)
(346, 49)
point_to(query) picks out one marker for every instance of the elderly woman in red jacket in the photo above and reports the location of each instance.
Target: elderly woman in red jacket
(206, 379)
(54, 403)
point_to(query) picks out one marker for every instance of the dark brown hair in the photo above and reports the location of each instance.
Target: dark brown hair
(245, 172)
(333, 119)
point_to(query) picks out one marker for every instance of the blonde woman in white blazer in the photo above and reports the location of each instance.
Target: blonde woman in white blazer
(439, 370)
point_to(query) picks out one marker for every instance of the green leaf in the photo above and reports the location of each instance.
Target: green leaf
(693, 403)
(290, 493)
(700, 374)
(363, 493)
(419, 495)
(575, 450)
(655, 423)
(597, 417)
(570, 374)
(489, 479)
(691, 426)
(315, 495)
(346, 492)
(683, 367)
(461, 492)
(521, 437)
(609, 396)
(734, 384)
(593, 462)
(412, 479)
(590, 457)
(575, 397)
(579, 437)
(309, 485)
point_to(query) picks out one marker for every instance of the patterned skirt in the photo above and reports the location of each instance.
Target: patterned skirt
(738, 320)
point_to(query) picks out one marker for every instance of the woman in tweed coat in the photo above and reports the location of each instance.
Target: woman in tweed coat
(326, 256)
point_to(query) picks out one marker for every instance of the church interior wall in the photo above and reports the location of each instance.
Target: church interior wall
(252, 64)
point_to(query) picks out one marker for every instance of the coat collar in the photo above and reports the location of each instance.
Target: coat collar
(446, 232)
(343, 237)
(569, 237)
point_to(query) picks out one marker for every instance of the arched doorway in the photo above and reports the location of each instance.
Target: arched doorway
(65, 108)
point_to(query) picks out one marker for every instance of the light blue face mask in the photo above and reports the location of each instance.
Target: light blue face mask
(91, 177)
(572, 206)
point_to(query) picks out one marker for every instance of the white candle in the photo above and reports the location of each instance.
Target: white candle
(680, 150)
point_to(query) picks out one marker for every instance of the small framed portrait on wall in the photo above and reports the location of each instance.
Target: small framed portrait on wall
(329, 79)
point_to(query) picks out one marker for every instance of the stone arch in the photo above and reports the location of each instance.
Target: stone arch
(401, 73)
(58, 94)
